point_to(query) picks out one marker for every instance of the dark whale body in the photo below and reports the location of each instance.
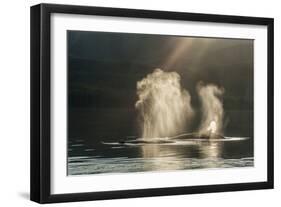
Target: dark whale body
(170, 140)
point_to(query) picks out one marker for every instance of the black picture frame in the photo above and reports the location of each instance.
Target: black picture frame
(41, 95)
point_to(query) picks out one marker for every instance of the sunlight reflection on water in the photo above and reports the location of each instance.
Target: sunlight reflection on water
(155, 157)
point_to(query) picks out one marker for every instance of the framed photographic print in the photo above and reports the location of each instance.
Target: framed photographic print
(132, 103)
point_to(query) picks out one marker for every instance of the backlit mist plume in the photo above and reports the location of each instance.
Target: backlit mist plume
(212, 109)
(164, 106)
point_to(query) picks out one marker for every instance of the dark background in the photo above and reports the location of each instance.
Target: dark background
(103, 69)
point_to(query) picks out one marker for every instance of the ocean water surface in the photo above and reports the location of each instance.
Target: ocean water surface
(137, 155)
